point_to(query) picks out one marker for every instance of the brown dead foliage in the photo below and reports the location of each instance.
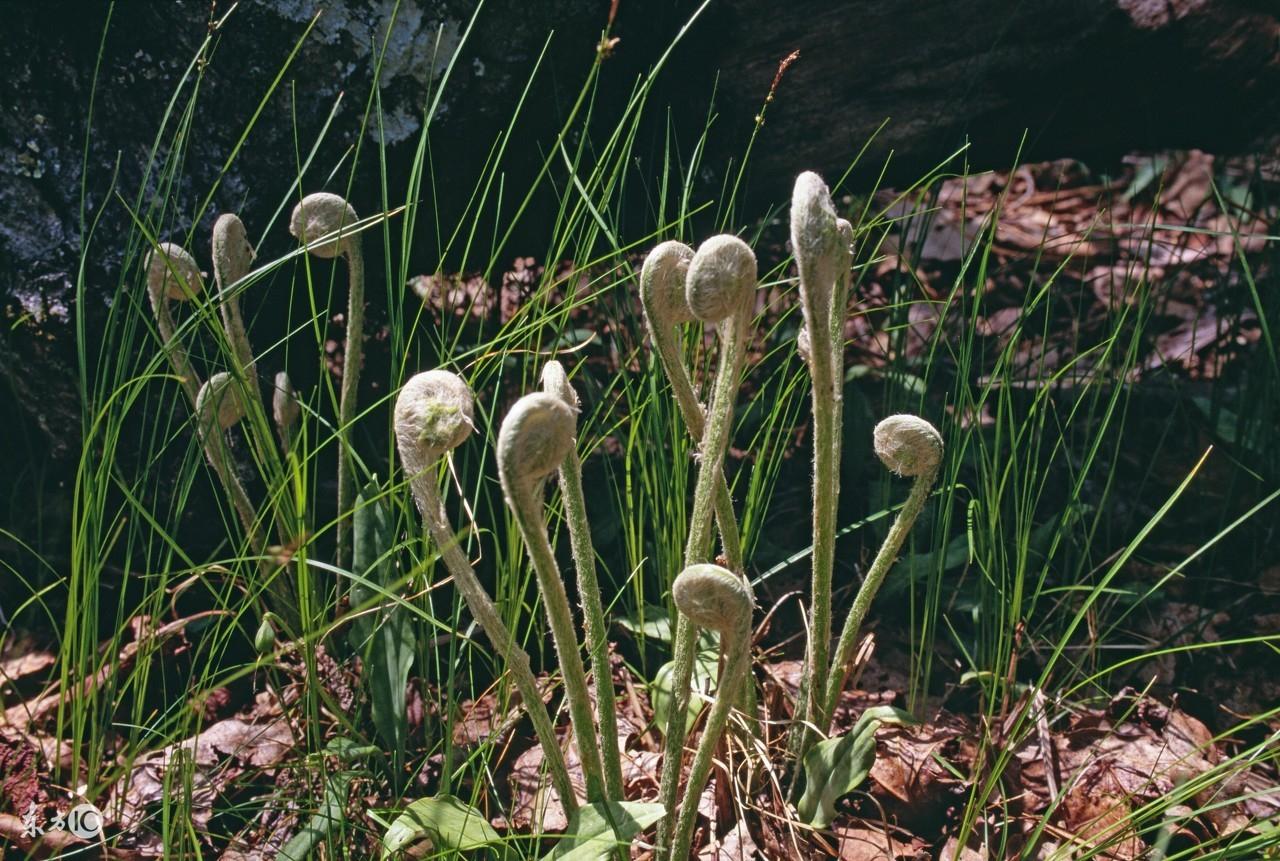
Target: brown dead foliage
(1171, 225)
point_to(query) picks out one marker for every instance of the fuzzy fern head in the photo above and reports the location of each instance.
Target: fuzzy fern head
(713, 597)
(319, 215)
(172, 272)
(908, 445)
(535, 438)
(662, 284)
(556, 382)
(722, 278)
(219, 401)
(434, 414)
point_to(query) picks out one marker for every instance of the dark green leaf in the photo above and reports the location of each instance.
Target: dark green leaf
(372, 536)
(655, 624)
(449, 822)
(839, 765)
(650, 622)
(706, 668)
(386, 636)
(596, 831)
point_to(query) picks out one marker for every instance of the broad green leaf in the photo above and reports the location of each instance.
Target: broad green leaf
(656, 625)
(575, 337)
(597, 830)
(915, 568)
(650, 622)
(1226, 423)
(347, 750)
(387, 671)
(839, 765)
(706, 668)
(449, 822)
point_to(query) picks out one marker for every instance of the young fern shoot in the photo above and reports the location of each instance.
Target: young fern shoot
(232, 259)
(662, 294)
(285, 410)
(535, 438)
(821, 244)
(219, 408)
(556, 382)
(720, 287)
(714, 598)
(172, 273)
(322, 222)
(909, 446)
(433, 415)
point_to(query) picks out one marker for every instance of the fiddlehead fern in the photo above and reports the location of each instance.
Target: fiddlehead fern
(323, 223)
(535, 438)
(433, 415)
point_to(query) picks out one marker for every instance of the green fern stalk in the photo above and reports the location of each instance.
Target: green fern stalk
(433, 415)
(909, 446)
(232, 259)
(821, 244)
(720, 287)
(662, 281)
(536, 436)
(323, 222)
(717, 599)
(556, 382)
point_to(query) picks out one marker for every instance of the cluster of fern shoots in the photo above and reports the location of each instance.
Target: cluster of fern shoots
(714, 285)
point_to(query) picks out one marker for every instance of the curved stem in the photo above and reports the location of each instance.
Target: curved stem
(715, 439)
(431, 506)
(697, 548)
(218, 453)
(232, 260)
(826, 463)
(673, 748)
(880, 566)
(527, 509)
(825, 324)
(352, 357)
(694, 421)
(284, 411)
(737, 654)
(178, 359)
(211, 438)
(584, 559)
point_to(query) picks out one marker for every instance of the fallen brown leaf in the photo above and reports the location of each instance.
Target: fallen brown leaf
(864, 842)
